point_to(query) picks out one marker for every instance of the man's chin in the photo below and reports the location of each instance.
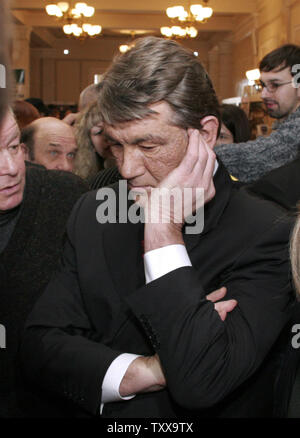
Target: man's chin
(274, 113)
(11, 202)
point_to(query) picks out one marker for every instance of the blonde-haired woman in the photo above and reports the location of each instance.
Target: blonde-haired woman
(93, 154)
(88, 161)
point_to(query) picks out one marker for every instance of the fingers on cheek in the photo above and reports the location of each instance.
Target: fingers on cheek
(192, 160)
(201, 162)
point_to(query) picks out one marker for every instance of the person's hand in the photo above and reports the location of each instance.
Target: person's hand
(144, 374)
(195, 170)
(187, 188)
(222, 307)
(71, 118)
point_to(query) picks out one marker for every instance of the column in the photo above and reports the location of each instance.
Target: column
(213, 67)
(226, 88)
(21, 59)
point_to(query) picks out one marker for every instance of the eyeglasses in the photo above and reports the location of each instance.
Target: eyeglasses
(273, 86)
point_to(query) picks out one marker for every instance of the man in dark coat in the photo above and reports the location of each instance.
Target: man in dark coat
(125, 329)
(34, 206)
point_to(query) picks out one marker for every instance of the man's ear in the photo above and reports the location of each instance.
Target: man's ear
(209, 130)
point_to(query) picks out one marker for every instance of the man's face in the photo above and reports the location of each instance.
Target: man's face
(147, 150)
(12, 165)
(55, 148)
(284, 99)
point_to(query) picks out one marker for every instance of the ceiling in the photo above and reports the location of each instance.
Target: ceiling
(120, 17)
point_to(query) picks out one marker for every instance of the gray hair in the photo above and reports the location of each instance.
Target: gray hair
(155, 70)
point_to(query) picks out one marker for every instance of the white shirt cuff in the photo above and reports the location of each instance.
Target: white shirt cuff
(161, 261)
(113, 377)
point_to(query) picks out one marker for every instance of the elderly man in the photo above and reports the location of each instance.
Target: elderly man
(51, 143)
(281, 94)
(125, 328)
(34, 207)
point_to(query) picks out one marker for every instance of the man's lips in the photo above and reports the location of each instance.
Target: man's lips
(270, 104)
(137, 187)
(10, 189)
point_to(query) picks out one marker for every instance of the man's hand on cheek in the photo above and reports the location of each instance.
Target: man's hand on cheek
(185, 189)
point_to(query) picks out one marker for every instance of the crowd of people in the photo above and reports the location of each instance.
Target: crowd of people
(108, 311)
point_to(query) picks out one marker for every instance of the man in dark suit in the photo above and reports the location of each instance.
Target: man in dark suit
(32, 234)
(125, 328)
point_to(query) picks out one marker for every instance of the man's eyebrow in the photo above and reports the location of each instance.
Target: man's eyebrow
(157, 139)
(14, 137)
(272, 80)
(109, 138)
(54, 144)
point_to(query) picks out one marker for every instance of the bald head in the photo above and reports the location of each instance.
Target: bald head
(88, 96)
(51, 143)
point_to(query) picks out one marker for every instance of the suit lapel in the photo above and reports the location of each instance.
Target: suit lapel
(123, 250)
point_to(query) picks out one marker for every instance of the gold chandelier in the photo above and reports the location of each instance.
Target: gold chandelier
(184, 20)
(123, 48)
(74, 19)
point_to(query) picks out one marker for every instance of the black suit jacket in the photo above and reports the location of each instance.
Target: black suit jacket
(99, 306)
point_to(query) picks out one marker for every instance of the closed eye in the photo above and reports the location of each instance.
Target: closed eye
(147, 148)
(98, 132)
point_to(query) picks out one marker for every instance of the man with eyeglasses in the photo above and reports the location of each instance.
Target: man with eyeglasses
(281, 95)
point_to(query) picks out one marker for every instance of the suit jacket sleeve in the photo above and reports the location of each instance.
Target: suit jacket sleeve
(204, 359)
(59, 350)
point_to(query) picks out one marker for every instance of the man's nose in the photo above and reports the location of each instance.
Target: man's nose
(64, 164)
(265, 93)
(8, 165)
(130, 165)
